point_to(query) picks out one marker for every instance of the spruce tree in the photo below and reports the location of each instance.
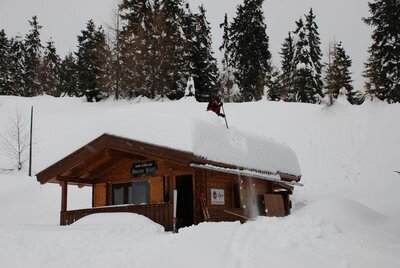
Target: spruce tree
(50, 71)
(314, 43)
(250, 50)
(338, 76)
(274, 85)
(307, 77)
(143, 27)
(17, 68)
(205, 71)
(132, 16)
(383, 66)
(226, 79)
(91, 65)
(33, 50)
(5, 68)
(175, 51)
(69, 77)
(286, 78)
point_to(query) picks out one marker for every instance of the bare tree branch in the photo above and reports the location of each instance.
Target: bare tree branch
(14, 140)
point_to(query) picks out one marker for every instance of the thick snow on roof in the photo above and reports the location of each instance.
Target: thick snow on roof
(64, 125)
(242, 149)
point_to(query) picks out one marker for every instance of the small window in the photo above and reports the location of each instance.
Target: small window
(136, 193)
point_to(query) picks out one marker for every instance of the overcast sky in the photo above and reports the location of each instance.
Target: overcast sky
(338, 20)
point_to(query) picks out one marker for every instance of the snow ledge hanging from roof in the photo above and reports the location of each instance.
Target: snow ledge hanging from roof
(248, 173)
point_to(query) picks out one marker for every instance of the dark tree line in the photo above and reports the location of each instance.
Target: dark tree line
(158, 45)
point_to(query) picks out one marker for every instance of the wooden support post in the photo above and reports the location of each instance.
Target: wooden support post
(64, 195)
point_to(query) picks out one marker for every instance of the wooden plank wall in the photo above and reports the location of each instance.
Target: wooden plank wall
(100, 195)
(162, 185)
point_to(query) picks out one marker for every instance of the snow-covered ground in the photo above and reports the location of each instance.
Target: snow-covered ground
(347, 215)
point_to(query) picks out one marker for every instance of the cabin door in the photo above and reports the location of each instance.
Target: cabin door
(184, 208)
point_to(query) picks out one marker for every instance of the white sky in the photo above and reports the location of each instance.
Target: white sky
(338, 20)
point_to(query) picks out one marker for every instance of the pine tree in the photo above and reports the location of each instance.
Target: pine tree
(33, 50)
(307, 78)
(383, 66)
(5, 68)
(274, 85)
(315, 51)
(205, 71)
(69, 77)
(175, 51)
(286, 78)
(250, 50)
(141, 47)
(226, 78)
(91, 65)
(17, 68)
(50, 71)
(338, 76)
(132, 16)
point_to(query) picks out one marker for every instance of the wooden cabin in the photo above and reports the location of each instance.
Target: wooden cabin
(127, 175)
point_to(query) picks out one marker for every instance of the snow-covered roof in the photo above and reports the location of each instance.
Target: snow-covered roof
(209, 141)
(238, 148)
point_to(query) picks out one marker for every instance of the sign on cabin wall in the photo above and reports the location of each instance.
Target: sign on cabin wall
(144, 169)
(217, 196)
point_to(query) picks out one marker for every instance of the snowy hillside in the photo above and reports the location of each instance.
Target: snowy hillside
(347, 215)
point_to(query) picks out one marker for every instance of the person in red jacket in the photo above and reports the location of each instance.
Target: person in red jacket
(215, 106)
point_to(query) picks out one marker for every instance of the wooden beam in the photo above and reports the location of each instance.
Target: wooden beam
(118, 153)
(111, 167)
(88, 164)
(76, 180)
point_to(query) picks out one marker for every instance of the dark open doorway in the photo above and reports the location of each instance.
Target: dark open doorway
(184, 209)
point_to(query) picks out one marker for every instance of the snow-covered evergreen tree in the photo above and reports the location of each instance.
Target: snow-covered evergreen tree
(275, 89)
(69, 77)
(383, 66)
(175, 51)
(50, 71)
(249, 49)
(338, 75)
(33, 55)
(91, 65)
(286, 78)
(314, 43)
(5, 68)
(154, 49)
(17, 68)
(226, 80)
(135, 46)
(205, 71)
(307, 78)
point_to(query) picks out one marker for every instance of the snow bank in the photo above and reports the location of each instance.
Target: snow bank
(343, 211)
(136, 222)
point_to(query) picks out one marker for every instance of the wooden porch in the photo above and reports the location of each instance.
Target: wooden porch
(159, 213)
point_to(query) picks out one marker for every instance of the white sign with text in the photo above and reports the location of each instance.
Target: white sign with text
(217, 196)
